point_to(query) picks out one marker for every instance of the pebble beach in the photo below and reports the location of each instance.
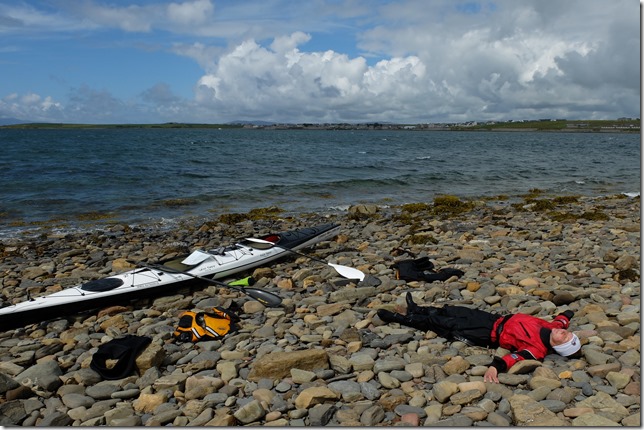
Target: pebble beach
(324, 358)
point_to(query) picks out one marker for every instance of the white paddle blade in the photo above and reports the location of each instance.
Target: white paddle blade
(195, 258)
(348, 272)
(253, 239)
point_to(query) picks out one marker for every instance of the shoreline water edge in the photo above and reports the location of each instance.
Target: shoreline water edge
(324, 357)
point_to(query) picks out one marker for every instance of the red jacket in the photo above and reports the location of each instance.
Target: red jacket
(525, 336)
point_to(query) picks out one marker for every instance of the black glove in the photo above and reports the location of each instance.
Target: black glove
(412, 270)
(422, 269)
(449, 272)
(568, 314)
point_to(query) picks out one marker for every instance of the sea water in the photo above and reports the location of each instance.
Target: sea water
(79, 177)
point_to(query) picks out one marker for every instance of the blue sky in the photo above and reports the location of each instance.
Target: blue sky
(407, 61)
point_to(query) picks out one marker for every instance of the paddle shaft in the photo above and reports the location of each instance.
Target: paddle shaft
(346, 271)
(264, 297)
(301, 254)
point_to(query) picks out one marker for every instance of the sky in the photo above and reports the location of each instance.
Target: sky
(318, 61)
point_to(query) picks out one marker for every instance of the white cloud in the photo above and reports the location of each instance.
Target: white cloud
(23, 18)
(132, 18)
(501, 61)
(31, 106)
(412, 61)
(191, 13)
(285, 82)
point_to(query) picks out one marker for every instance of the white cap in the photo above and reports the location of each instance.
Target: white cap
(568, 348)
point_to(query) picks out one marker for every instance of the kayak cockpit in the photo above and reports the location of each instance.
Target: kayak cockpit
(104, 284)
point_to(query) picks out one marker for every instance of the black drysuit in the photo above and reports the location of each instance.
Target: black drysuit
(527, 336)
(471, 326)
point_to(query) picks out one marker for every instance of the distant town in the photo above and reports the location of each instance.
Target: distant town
(546, 124)
(620, 125)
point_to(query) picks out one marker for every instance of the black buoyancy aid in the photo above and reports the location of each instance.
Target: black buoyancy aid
(196, 326)
(123, 351)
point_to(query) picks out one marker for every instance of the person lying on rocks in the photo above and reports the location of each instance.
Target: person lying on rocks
(527, 337)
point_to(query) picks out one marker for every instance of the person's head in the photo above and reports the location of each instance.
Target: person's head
(564, 342)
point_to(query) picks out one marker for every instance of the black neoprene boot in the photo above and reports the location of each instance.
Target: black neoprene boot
(419, 322)
(412, 308)
(389, 317)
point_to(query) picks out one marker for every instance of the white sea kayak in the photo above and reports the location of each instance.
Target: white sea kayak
(163, 277)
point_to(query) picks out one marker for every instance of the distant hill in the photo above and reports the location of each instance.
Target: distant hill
(251, 123)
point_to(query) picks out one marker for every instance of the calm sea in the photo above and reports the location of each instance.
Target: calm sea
(147, 176)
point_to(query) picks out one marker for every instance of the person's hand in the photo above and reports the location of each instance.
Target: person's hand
(491, 375)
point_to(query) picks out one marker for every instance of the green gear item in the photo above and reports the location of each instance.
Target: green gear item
(246, 282)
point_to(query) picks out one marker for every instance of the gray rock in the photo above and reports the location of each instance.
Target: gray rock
(388, 365)
(7, 383)
(406, 409)
(164, 417)
(12, 413)
(565, 394)
(98, 409)
(216, 398)
(75, 400)
(401, 375)
(347, 389)
(587, 389)
(250, 412)
(593, 420)
(320, 415)
(369, 391)
(44, 375)
(282, 387)
(553, 405)
(102, 390)
(131, 421)
(595, 357)
(87, 377)
(606, 389)
(454, 421)
(498, 419)
(118, 413)
(372, 416)
(30, 421)
(55, 419)
(126, 394)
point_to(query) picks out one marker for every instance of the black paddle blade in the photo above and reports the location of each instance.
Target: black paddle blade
(264, 297)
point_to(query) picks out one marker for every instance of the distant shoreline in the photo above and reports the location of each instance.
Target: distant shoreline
(567, 126)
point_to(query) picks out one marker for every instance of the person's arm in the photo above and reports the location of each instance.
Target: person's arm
(491, 375)
(502, 364)
(564, 318)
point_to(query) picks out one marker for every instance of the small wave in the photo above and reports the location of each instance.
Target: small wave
(194, 175)
(342, 208)
(632, 195)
